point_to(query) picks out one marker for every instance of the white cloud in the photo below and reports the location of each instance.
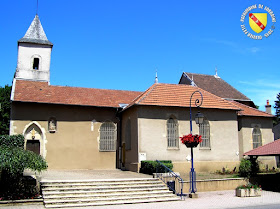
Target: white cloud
(253, 49)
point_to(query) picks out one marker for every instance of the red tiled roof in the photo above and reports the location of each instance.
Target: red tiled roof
(179, 95)
(270, 149)
(249, 111)
(215, 85)
(41, 92)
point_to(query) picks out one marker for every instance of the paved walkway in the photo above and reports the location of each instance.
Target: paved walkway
(90, 174)
(211, 200)
(206, 200)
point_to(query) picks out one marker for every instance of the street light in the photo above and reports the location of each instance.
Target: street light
(199, 120)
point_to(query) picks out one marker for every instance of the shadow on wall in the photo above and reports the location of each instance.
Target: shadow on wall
(269, 182)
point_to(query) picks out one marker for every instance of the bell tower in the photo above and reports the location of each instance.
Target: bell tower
(34, 54)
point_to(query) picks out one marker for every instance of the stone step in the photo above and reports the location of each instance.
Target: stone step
(103, 187)
(109, 199)
(97, 180)
(107, 192)
(102, 195)
(58, 194)
(93, 184)
(128, 201)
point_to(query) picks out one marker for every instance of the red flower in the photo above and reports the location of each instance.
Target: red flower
(187, 139)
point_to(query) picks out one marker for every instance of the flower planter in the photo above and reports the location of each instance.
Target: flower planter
(248, 192)
(189, 145)
(191, 140)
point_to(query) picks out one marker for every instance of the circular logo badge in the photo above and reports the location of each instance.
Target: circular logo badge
(258, 21)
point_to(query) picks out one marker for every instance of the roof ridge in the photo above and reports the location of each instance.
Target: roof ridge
(134, 101)
(220, 79)
(149, 90)
(235, 89)
(59, 86)
(199, 74)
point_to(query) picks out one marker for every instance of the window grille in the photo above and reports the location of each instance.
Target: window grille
(257, 137)
(204, 131)
(107, 137)
(172, 133)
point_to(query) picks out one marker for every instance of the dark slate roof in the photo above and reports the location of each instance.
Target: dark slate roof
(270, 149)
(35, 34)
(214, 84)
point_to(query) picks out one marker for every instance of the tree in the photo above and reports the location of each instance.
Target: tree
(277, 107)
(13, 160)
(5, 108)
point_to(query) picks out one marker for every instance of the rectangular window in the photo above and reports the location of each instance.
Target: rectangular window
(172, 133)
(204, 131)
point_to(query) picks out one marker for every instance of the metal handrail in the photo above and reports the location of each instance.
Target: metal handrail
(180, 180)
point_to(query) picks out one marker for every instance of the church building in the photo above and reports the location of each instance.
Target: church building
(88, 128)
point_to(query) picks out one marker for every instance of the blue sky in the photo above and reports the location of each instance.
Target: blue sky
(120, 44)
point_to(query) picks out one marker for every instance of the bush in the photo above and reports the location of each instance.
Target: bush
(150, 167)
(249, 168)
(12, 141)
(245, 168)
(13, 160)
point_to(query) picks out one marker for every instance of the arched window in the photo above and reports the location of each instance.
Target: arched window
(172, 133)
(257, 137)
(128, 135)
(107, 137)
(204, 131)
(36, 63)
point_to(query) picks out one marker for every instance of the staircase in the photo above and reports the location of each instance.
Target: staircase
(68, 193)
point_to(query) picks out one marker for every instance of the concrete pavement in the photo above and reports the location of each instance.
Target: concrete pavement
(211, 200)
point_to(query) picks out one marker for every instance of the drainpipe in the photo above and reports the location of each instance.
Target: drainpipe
(119, 138)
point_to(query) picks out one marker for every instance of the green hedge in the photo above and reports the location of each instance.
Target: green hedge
(150, 167)
(12, 141)
(13, 160)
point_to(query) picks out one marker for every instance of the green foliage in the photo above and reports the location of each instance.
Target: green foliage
(13, 160)
(245, 168)
(12, 141)
(248, 168)
(5, 109)
(249, 186)
(277, 112)
(150, 167)
(18, 187)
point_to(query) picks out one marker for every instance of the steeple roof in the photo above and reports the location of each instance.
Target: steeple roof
(35, 33)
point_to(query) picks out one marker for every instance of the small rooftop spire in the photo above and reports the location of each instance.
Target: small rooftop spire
(37, 8)
(192, 82)
(156, 80)
(216, 75)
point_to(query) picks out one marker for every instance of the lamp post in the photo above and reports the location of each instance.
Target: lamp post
(199, 120)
